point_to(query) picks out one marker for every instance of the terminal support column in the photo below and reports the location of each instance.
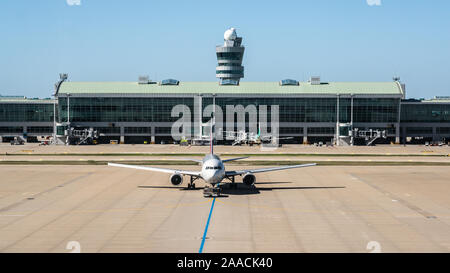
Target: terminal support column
(122, 135)
(305, 135)
(435, 136)
(397, 133)
(397, 126)
(403, 134)
(153, 139)
(25, 129)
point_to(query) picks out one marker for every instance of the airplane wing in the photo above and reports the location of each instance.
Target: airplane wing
(233, 159)
(162, 170)
(233, 173)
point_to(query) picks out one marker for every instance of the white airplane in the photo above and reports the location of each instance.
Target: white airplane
(213, 172)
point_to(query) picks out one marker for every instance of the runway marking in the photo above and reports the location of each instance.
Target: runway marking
(11, 206)
(394, 198)
(207, 225)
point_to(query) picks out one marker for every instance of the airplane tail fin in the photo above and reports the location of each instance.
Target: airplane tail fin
(211, 141)
(213, 123)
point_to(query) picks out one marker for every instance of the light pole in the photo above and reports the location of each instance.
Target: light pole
(68, 108)
(54, 119)
(337, 121)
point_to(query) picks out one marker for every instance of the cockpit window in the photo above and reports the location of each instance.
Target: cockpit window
(213, 168)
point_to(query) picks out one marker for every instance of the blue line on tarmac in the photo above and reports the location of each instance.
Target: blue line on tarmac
(207, 225)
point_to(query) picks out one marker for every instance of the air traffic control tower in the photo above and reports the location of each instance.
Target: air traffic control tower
(229, 58)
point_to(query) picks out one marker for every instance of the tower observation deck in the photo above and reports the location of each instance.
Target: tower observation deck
(229, 58)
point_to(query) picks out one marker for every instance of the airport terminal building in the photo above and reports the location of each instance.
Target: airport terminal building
(28, 118)
(309, 112)
(133, 112)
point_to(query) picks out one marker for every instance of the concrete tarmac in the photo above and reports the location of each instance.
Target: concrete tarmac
(316, 209)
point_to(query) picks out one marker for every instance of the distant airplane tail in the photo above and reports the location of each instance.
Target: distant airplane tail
(212, 129)
(259, 130)
(211, 141)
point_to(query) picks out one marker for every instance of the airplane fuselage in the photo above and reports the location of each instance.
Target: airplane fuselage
(213, 170)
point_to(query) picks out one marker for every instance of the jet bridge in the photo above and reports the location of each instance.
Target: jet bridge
(79, 136)
(369, 135)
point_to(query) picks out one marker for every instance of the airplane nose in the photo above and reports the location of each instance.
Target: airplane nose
(207, 176)
(212, 177)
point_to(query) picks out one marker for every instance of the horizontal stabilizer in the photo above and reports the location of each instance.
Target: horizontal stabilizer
(233, 159)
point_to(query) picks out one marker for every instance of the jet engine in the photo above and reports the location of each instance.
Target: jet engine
(249, 179)
(176, 179)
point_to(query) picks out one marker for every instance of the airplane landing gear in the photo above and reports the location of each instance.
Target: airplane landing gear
(233, 185)
(191, 185)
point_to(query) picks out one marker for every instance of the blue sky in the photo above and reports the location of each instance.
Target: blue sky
(112, 40)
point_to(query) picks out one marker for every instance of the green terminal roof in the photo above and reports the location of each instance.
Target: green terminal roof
(392, 88)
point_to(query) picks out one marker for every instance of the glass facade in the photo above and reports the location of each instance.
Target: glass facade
(291, 130)
(60, 130)
(419, 130)
(375, 110)
(289, 82)
(321, 130)
(163, 130)
(443, 130)
(292, 110)
(229, 56)
(101, 109)
(425, 112)
(307, 110)
(26, 112)
(237, 72)
(138, 130)
(108, 130)
(170, 82)
(317, 114)
(40, 130)
(11, 130)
